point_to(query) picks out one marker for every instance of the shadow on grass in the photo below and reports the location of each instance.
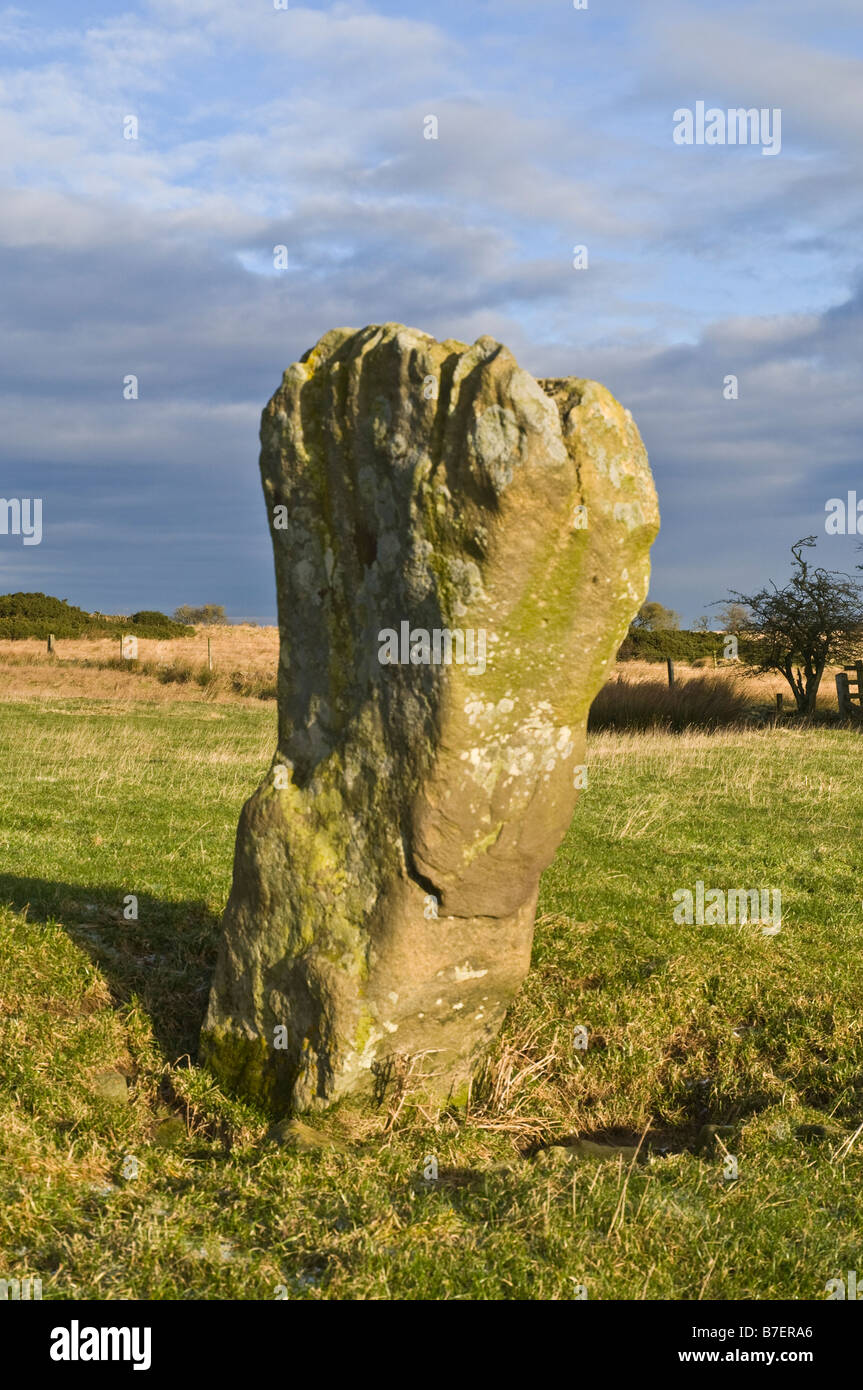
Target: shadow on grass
(165, 957)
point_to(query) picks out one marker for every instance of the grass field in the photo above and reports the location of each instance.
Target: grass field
(171, 1190)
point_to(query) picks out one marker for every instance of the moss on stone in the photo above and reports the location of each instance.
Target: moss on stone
(244, 1066)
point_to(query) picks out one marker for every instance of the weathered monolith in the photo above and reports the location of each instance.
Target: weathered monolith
(459, 551)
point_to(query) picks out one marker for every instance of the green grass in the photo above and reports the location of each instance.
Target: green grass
(687, 1026)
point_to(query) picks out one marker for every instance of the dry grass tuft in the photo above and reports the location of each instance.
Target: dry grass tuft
(701, 701)
(515, 1080)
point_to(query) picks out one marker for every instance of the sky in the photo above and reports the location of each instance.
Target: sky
(305, 127)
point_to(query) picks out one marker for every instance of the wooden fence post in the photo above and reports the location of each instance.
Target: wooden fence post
(50, 643)
(843, 694)
(670, 665)
(779, 702)
(209, 653)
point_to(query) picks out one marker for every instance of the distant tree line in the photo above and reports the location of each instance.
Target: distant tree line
(655, 617)
(656, 635)
(36, 615)
(679, 645)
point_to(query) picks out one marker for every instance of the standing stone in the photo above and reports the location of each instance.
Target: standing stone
(421, 495)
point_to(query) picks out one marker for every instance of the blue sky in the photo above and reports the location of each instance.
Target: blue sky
(304, 127)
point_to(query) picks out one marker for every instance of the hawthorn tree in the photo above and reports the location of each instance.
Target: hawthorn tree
(815, 620)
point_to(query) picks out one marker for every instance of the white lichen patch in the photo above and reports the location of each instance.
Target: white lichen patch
(629, 513)
(464, 972)
(466, 582)
(533, 746)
